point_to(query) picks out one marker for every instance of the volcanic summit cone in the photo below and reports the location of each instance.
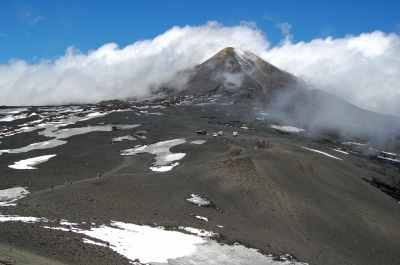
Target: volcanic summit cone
(242, 78)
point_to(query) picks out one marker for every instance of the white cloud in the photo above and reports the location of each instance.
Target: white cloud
(110, 72)
(285, 27)
(361, 69)
(33, 21)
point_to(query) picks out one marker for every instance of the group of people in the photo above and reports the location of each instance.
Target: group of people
(70, 183)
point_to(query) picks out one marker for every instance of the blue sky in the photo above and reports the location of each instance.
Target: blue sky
(35, 30)
(59, 52)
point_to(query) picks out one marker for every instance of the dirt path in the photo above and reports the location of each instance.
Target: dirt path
(128, 160)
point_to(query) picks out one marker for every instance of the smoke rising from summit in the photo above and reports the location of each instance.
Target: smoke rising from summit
(363, 70)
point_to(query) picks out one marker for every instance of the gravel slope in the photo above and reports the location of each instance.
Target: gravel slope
(281, 199)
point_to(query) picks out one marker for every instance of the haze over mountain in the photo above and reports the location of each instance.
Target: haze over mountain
(245, 79)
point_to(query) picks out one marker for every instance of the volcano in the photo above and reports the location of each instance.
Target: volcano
(244, 79)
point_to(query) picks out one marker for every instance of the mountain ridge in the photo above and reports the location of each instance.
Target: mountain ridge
(244, 79)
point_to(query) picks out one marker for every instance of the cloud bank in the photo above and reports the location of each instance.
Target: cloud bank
(363, 70)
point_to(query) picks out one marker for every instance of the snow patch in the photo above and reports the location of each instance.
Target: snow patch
(53, 131)
(35, 146)
(322, 153)
(199, 232)
(198, 200)
(12, 110)
(13, 117)
(198, 142)
(164, 160)
(123, 138)
(30, 162)
(287, 128)
(202, 218)
(390, 159)
(164, 168)
(388, 153)
(355, 144)
(8, 196)
(340, 151)
(157, 245)
(150, 113)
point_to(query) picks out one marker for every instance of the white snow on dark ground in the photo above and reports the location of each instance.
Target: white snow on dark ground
(355, 144)
(52, 130)
(7, 115)
(164, 160)
(198, 200)
(390, 159)
(199, 232)
(13, 117)
(123, 138)
(340, 151)
(94, 115)
(68, 132)
(23, 219)
(41, 145)
(202, 218)
(12, 110)
(150, 113)
(158, 107)
(198, 142)
(287, 128)
(159, 246)
(53, 117)
(9, 196)
(30, 162)
(160, 168)
(388, 153)
(317, 151)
